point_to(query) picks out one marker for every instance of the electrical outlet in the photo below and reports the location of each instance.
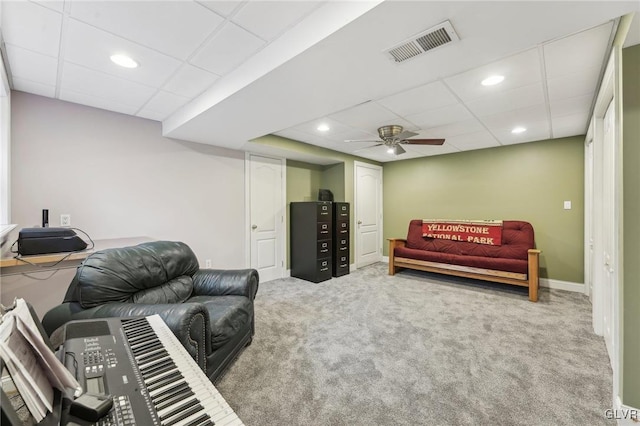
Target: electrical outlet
(65, 220)
(207, 263)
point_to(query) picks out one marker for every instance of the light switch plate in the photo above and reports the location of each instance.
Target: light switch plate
(567, 205)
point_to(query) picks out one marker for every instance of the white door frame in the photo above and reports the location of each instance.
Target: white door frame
(247, 209)
(357, 164)
(609, 91)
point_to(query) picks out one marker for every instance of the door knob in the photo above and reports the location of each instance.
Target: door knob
(359, 222)
(254, 226)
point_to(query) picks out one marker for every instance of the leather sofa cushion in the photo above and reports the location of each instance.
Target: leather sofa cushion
(154, 272)
(228, 315)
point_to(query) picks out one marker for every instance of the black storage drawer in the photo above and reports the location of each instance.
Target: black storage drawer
(324, 211)
(342, 228)
(324, 249)
(341, 239)
(311, 245)
(324, 230)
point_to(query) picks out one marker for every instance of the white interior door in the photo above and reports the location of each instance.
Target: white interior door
(266, 207)
(609, 229)
(368, 213)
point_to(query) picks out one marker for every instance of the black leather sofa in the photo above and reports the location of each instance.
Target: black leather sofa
(210, 311)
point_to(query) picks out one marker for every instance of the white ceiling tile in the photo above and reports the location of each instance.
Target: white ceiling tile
(519, 117)
(227, 49)
(532, 135)
(33, 87)
(367, 117)
(96, 102)
(476, 140)
(164, 103)
(176, 28)
(190, 81)
(57, 6)
(268, 19)
(574, 84)
(570, 106)
(224, 8)
(92, 48)
(428, 150)
(293, 134)
(577, 52)
(453, 129)
(440, 116)
(31, 26)
(517, 98)
(104, 86)
(353, 134)
(311, 127)
(33, 66)
(414, 101)
(518, 70)
(570, 125)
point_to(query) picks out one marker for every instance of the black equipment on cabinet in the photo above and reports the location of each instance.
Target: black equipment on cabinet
(341, 233)
(310, 240)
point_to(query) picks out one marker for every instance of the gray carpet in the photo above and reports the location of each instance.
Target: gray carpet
(418, 349)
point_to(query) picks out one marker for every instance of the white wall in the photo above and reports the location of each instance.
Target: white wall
(118, 177)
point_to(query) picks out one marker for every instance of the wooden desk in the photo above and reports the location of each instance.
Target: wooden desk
(43, 259)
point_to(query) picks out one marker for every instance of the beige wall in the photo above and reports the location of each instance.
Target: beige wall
(117, 177)
(519, 182)
(631, 233)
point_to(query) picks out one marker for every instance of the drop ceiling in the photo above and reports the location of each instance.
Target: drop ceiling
(227, 72)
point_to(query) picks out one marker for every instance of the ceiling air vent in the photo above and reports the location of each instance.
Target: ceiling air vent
(420, 43)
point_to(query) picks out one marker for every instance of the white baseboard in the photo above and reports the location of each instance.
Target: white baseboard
(287, 273)
(623, 414)
(352, 267)
(385, 259)
(562, 285)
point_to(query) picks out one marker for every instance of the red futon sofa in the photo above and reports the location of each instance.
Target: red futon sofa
(515, 261)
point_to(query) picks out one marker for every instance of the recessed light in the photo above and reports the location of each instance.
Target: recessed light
(494, 79)
(323, 128)
(390, 151)
(124, 61)
(517, 130)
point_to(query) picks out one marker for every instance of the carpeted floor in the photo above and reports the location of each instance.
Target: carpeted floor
(418, 349)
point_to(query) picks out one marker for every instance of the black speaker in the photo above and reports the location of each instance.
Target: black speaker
(325, 195)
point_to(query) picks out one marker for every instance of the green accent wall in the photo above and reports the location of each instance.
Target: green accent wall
(631, 214)
(526, 182)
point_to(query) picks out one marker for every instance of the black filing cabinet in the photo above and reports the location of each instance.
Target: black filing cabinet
(310, 240)
(340, 239)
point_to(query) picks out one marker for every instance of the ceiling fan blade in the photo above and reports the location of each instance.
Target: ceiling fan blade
(363, 140)
(405, 135)
(368, 147)
(423, 141)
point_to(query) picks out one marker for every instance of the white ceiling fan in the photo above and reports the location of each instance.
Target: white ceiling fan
(393, 137)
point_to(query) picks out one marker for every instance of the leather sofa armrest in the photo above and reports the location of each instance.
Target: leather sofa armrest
(237, 282)
(189, 322)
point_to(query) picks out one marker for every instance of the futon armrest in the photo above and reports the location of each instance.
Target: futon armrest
(237, 282)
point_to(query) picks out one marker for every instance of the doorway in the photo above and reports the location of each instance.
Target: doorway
(368, 213)
(266, 206)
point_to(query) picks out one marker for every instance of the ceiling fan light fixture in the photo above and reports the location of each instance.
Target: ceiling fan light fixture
(492, 80)
(124, 61)
(389, 132)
